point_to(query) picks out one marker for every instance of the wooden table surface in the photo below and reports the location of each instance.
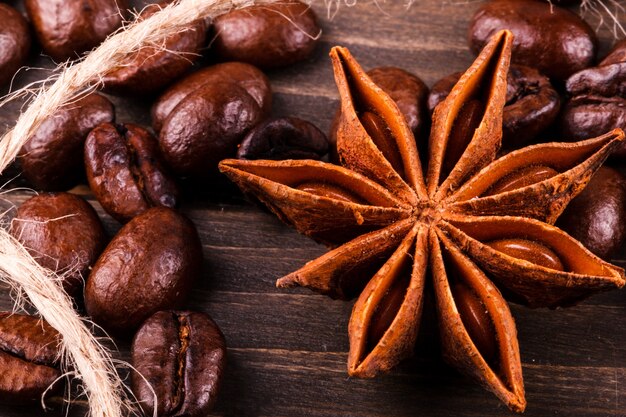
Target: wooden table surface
(287, 349)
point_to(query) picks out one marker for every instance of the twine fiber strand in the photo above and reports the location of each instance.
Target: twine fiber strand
(81, 351)
(92, 361)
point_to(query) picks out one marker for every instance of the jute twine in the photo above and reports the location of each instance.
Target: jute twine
(82, 353)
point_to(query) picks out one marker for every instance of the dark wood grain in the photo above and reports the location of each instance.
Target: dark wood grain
(288, 348)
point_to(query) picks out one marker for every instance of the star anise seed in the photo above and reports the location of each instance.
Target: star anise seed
(475, 223)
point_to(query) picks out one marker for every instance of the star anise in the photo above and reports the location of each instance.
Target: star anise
(472, 225)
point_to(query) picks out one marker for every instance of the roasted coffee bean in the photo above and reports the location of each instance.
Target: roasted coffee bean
(530, 251)
(29, 355)
(598, 100)
(283, 138)
(66, 28)
(608, 79)
(181, 355)
(125, 171)
(152, 68)
(597, 216)
(149, 266)
(476, 320)
(243, 75)
(14, 42)
(206, 127)
(552, 39)
(410, 94)
(532, 104)
(63, 233)
(53, 158)
(268, 36)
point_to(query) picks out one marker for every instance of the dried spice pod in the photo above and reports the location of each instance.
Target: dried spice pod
(29, 358)
(532, 104)
(410, 94)
(471, 221)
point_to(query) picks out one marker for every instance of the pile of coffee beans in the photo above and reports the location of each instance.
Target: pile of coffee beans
(135, 285)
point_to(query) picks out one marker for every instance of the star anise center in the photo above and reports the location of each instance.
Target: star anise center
(431, 214)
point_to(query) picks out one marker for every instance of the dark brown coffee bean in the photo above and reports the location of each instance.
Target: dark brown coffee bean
(29, 355)
(532, 104)
(63, 233)
(125, 171)
(606, 81)
(268, 36)
(152, 68)
(410, 94)
(53, 158)
(284, 138)
(243, 75)
(149, 266)
(552, 39)
(598, 100)
(206, 127)
(181, 355)
(589, 116)
(14, 42)
(597, 216)
(66, 28)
